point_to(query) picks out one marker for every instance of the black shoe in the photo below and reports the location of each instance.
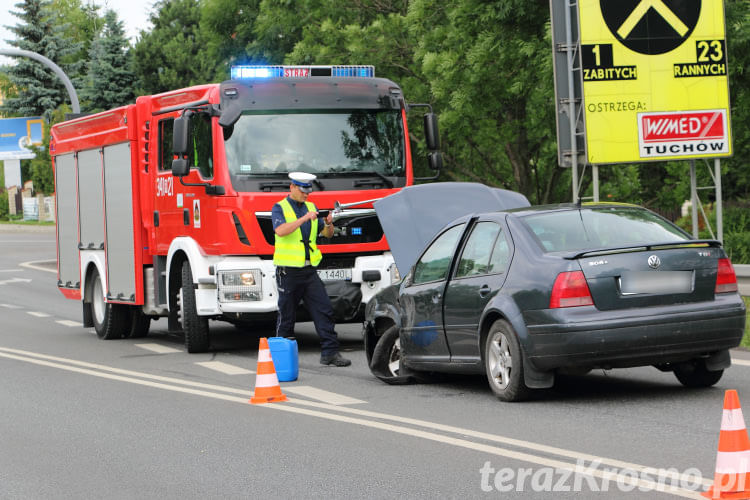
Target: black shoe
(334, 360)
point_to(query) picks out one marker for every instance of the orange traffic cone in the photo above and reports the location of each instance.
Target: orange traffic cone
(267, 389)
(732, 477)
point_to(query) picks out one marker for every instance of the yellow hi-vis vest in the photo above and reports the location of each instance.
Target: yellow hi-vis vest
(289, 250)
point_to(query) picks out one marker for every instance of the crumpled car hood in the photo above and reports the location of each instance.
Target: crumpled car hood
(412, 217)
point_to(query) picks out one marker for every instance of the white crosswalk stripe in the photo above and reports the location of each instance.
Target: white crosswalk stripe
(38, 314)
(226, 368)
(327, 397)
(158, 348)
(67, 322)
(10, 306)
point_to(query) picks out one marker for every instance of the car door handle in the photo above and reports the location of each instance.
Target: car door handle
(484, 290)
(436, 297)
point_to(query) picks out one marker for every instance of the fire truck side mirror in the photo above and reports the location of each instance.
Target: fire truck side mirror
(431, 131)
(435, 160)
(180, 167)
(180, 135)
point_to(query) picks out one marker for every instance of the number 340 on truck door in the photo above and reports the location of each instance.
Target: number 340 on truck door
(165, 186)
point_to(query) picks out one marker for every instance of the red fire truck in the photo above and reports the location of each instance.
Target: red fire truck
(164, 206)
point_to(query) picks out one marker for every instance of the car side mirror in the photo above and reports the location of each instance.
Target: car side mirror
(180, 167)
(431, 133)
(180, 135)
(435, 160)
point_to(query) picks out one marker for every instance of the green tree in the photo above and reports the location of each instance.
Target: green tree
(228, 32)
(39, 90)
(168, 56)
(81, 23)
(110, 81)
(40, 168)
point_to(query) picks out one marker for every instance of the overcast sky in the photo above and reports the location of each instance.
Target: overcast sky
(134, 14)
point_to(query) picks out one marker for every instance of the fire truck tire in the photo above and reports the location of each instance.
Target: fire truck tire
(194, 326)
(139, 323)
(111, 321)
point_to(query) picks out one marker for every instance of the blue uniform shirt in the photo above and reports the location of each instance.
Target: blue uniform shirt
(300, 209)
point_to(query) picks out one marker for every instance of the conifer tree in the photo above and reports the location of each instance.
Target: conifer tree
(40, 91)
(110, 81)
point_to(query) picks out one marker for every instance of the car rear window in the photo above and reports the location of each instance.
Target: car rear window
(603, 227)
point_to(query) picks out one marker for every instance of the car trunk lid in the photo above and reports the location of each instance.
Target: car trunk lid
(651, 275)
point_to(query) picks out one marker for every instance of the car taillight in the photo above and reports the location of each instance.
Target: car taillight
(726, 280)
(570, 290)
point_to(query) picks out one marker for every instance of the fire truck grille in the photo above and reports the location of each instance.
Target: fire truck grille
(359, 229)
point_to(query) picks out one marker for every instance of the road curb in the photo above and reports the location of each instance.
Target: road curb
(26, 228)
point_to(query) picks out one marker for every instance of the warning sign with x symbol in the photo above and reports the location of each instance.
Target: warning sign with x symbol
(651, 26)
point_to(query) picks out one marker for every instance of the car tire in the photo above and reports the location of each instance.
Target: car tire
(111, 321)
(139, 323)
(503, 361)
(195, 327)
(695, 374)
(386, 357)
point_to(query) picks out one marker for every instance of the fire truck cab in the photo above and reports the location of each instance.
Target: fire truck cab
(164, 206)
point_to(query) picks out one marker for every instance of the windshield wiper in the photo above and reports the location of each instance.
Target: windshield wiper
(359, 173)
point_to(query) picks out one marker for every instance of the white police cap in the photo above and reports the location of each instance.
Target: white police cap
(302, 180)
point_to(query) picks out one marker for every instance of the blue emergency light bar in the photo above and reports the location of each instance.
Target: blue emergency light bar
(243, 72)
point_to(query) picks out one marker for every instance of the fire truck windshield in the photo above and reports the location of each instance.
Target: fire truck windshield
(345, 149)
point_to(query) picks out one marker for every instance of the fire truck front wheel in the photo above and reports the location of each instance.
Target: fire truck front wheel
(111, 321)
(194, 326)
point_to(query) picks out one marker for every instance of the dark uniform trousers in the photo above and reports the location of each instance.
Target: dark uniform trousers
(303, 283)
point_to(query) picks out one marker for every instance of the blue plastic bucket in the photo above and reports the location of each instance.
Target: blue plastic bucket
(284, 355)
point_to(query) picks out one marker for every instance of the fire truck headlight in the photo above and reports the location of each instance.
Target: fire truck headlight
(240, 286)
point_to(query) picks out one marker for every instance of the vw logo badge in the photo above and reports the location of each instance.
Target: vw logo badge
(654, 262)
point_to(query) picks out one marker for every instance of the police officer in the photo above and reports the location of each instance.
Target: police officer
(296, 255)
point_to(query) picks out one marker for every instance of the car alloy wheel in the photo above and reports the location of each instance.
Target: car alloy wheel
(394, 358)
(499, 360)
(503, 360)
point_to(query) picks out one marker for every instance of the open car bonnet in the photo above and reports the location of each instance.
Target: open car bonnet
(412, 217)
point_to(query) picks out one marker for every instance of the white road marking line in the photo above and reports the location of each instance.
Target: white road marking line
(606, 475)
(158, 348)
(38, 314)
(10, 306)
(743, 362)
(327, 397)
(226, 368)
(15, 280)
(32, 265)
(67, 322)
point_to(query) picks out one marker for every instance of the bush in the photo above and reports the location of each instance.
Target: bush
(736, 218)
(4, 205)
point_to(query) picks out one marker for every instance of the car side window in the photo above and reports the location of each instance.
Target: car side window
(475, 259)
(500, 254)
(165, 144)
(200, 145)
(436, 261)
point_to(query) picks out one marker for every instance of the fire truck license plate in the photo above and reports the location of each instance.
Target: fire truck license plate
(335, 274)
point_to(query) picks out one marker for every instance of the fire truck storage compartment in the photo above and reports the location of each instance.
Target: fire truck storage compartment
(118, 209)
(91, 215)
(67, 221)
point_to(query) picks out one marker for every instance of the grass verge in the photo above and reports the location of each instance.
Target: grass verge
(746, 338)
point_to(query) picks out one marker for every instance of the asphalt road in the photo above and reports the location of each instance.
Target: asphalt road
(85, 418)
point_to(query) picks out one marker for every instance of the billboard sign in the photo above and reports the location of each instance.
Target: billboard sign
(655, 80)
(17, 134)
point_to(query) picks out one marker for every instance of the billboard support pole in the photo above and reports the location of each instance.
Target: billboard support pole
(694, 198)
(595, 179)
(571, 102)
(719, 209)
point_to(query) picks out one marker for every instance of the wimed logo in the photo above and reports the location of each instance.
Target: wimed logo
(688, 133)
